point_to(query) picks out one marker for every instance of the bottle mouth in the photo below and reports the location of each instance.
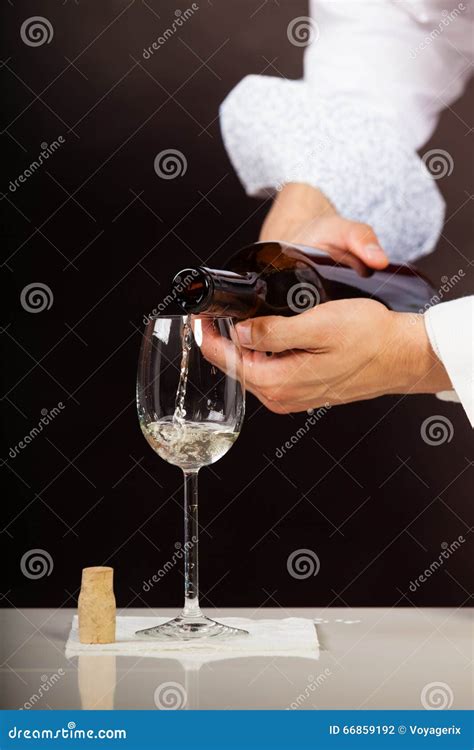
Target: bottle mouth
(192, 287)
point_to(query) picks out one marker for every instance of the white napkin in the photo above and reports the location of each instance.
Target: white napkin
(293, 636)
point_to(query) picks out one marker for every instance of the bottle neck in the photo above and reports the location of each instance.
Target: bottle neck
(215, 291)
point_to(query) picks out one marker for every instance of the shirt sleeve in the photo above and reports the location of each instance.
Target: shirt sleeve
(351, 127)
(450, 328)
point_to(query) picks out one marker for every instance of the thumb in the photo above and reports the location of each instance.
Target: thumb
(278, 334)
(363, 242)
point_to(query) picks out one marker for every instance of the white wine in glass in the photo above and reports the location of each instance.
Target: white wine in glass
(191, 402)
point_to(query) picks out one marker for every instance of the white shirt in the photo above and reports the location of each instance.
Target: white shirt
(377, 75)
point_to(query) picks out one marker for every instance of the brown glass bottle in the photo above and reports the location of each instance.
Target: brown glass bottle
(274, 278)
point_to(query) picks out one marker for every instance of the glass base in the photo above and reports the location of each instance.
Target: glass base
(190, 628)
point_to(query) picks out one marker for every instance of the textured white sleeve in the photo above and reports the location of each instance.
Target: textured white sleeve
(275, 133)
(450, 328)
(374, 85)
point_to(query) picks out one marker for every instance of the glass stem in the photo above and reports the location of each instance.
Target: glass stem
(191, 557)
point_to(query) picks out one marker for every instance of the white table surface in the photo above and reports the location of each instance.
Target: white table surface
(370, 658)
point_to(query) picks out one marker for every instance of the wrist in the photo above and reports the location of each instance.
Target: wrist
(298, 209)
(307, 199)
(414, 365)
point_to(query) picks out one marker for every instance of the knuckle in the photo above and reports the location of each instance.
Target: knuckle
(273, 393)
(261, 330)
(365, 226)
(365, 229)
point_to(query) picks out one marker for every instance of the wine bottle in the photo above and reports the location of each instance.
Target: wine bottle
(275, 278)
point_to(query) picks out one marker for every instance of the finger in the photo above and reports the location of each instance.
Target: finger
(254, 368)
(217, 348)
(347, 258)
(274, 333)
(361, 240)
(351, 243)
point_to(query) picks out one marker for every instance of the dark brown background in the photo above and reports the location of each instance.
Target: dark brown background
(362, 489)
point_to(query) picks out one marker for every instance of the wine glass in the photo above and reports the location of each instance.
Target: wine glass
(190, 398)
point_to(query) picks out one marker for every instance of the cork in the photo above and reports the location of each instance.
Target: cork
(97, 606)
(97, 677)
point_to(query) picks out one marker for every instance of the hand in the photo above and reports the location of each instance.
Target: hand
(302, 215)
(338, 352)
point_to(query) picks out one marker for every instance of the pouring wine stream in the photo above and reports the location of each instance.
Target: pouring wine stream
(187, 336)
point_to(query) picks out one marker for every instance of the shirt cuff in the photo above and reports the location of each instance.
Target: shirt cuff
(450, 328)
(276, 132)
